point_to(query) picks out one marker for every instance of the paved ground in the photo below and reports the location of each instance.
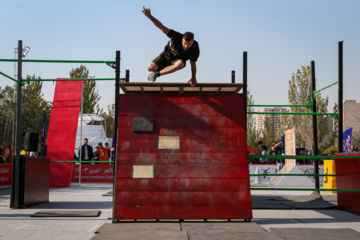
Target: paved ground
(17, 224)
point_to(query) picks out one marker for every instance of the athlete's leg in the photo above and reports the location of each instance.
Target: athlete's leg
(179, 64)
(152, 67)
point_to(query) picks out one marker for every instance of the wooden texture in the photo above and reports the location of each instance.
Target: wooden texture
(179, 88)
(206, 178)
(290, 148)
(348, 177)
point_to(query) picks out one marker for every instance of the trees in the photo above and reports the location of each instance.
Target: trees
(110, 121)
(91, 95)
(33, 108)
(330, 146)
(7, 112)
(300, 93)
(268, 133)
(252, 134)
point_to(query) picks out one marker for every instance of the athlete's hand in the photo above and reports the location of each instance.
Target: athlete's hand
(192, 82)
(146, 11)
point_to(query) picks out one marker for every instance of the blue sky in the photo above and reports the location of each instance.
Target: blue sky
(280, 36)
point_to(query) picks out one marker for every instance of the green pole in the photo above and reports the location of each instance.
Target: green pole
(255, 156)
(8, 77)
(307, 189)
(292, 175)
(315, 92)
(71, 79)
(56, 61)
(257, 105)
(294, 113)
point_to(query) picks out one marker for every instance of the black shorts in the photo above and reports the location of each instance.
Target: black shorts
(163, 61)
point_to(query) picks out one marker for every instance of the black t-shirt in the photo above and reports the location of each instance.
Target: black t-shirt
(174, 48)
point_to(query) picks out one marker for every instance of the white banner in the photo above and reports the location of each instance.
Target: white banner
(272, 169)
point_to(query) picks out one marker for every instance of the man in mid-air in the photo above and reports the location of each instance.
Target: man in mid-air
(179, 49)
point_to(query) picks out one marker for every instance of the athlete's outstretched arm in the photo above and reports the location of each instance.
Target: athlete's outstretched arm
(156, 22)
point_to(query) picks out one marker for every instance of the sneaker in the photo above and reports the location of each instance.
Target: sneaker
(152, 77)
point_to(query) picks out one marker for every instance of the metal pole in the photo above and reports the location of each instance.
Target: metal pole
(117, 99)
(232, 76)
(81, 121)
(18, 130)
(127, 75)
(314, 122)
(340, 99)
(245, 87)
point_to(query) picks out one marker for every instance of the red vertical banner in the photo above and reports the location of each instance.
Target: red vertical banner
(62, 131)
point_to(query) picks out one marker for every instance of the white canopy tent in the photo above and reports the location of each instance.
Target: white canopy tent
(94, 133)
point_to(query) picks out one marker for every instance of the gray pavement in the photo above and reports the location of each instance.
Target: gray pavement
(17, 223)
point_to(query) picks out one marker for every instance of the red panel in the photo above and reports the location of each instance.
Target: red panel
(62, 130)
(213, 100)
(182, 198)
(180, 158)
(181, 110)
(348, 177)
(196, 146)
(222, 134)
(193, 122)
(208, 177)
(183, 185)
(5, 174)
(182, 212)
(189, 171)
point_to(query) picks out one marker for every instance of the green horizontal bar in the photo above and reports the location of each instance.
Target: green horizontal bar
(294, 113)
(71, 79)
(8, 77)
(82, 161)
(325, 87)
(293, 175)
(329, 157)
(255, 156)
(308, 189)
(55, 61)
(278, 105)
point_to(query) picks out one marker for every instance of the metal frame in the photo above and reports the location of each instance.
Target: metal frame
(16, 163)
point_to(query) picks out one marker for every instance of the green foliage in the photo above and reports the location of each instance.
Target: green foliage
(268, 134)
(355, 140)
(252, 134)
(331, 150)
(110, 121)
(33, 108)
(300, 93)
(331, 143)
(6, 112)
(91, 95)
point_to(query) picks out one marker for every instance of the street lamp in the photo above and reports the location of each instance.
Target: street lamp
(25, 51)
(22, 52)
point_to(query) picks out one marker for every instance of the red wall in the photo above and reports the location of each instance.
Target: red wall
(207, 178)
(348, 177)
